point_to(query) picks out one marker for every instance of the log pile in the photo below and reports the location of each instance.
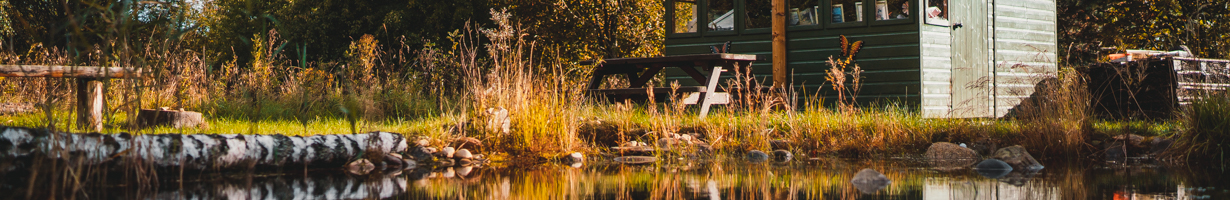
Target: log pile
(197, 151)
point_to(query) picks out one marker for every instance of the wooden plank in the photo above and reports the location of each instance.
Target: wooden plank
(645, 77)
(54, 71)
(655, 90)
(720, 98)
(608, 63)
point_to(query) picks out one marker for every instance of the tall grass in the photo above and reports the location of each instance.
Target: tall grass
(1207, 131)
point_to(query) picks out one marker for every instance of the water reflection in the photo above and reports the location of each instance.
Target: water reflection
(716, 179)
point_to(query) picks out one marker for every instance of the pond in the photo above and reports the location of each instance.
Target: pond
(827, 178)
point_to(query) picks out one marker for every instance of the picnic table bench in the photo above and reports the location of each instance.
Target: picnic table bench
(89, 86)
(641, 70)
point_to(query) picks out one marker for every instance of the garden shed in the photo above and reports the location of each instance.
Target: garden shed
(946, 58)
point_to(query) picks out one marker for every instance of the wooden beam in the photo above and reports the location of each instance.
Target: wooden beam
(57, 71)
(779, 43)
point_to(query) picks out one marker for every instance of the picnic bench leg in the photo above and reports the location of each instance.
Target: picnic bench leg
(89, 104)
(703, 98)
(595, 81)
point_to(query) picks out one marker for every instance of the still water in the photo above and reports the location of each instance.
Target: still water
(687, 179)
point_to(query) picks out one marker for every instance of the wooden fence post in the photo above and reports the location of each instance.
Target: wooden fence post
(779, 43)
(89, 104)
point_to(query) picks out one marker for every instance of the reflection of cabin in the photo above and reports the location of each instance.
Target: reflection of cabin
(977, 59)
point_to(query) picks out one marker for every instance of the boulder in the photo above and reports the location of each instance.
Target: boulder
(868, 181)
(984, 146)
(393, 160)
(463, 154)
(669, 142)
(421, 152)
(949, 156)
(635, 160)
(599, 132)
(993, 164)
(635, 150)
(445, 153)
(473, 144)
(1017, 157)
(360, 166)
(757, 156)
(574, 157)
(782, 155)
(1159, 145)
(173, 118)
(781, 144)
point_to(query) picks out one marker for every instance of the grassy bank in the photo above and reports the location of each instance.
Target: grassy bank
(463, 91)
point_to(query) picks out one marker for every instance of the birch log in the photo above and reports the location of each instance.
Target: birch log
(196, 151)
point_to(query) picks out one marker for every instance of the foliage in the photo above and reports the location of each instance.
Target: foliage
(1087, 26)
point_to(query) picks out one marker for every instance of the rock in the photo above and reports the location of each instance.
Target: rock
(869, 181)
(993, 164)
(445, 153)
(16, 108)
(984, 146)
(669, 142)
(635, 150)
(1136, 141)
(408, 164)
(473, 144)
(360, 166)
(599, 132)
(757, 156)
(781, 144)
(393, 160)
(1159, 145)
(421, 153)
(172, 118)
(575, 157)
(782, 155)
(947, 156)
(1017, 157)
(1115, 151)
(702, 149)
(993, 168)
(1018, 178)
(423, 142)
(498, 120)
(635, 160)
(463, 154)
(463, 172)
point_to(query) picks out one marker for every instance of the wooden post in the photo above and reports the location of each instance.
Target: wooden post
(89, 104)
(779, 43)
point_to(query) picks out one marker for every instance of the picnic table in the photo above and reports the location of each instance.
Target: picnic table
(89, 87)
(641, 70)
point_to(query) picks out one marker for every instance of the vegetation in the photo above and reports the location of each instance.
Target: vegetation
(425, 69)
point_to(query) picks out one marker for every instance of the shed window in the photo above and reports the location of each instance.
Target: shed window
(759, 13)
(936, 12)
(721, 15)
(685, 16)
(892, 9)
(804, 12)
(847, 11)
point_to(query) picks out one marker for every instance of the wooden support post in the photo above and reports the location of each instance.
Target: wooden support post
(709, 90)
(89, 104)
(779, 43)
